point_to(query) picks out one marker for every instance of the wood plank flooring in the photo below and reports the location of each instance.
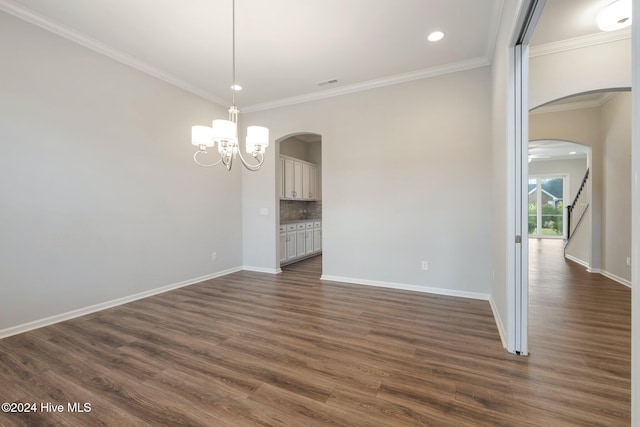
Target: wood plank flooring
(252, 349)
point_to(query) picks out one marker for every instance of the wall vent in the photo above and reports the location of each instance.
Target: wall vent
(327, 82)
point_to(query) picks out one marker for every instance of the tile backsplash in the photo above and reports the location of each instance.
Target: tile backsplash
(298, 210)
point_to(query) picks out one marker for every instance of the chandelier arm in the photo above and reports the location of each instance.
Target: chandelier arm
(227, 161)
(251, 167)
(195, 159)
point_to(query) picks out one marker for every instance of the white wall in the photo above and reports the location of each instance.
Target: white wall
(100, 196)
(557, 75)
(615, 133)
(401, 167)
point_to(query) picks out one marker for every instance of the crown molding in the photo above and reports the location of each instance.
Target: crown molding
(603, 99)
(498, 9)
(371, 84)
(101, 48)
(579, 42)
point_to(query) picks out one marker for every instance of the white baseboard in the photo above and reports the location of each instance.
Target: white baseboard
(14, 330)
(615, 278)
(605, 273)
(406, 287)
(262, 270)
(499, 324)
(585, 264)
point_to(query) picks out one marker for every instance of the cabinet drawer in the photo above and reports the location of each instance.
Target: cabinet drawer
(283, 228)
(300, 226)
(308, 225)
(291, 227)
(317, 224)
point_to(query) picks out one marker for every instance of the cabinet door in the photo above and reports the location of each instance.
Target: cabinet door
(300, 242)
(283, 247)
(306, 180)
(281, 192)
(317, 240)
(291, 245)
(313, 179)
(308, 245)
(289, 179)
(297, 180)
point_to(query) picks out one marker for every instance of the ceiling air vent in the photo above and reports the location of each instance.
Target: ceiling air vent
(327, 82)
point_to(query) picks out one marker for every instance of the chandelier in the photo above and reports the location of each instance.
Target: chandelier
(225, 132)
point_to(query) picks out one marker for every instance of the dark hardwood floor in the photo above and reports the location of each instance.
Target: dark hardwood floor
(289, 350)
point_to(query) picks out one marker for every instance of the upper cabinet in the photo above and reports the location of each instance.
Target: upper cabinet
(298, 179)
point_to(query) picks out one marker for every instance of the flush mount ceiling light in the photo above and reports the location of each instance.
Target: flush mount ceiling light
(225, 132)
(435, 36)
(615, 16)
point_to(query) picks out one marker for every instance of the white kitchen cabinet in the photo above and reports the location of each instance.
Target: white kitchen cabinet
(317, 237)
(300, 240)
(313, 182)
(291, 242)
(290, 179)
(283, 244)
(299, 179)
(309, 172)
(308, 238)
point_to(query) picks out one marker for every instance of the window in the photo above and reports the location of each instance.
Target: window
(546, 206)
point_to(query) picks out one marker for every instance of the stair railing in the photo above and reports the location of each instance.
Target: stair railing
(578, 208)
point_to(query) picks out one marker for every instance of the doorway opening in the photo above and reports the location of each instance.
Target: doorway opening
(299, 172)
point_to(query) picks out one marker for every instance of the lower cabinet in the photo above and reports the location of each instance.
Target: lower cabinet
(317, 236)
(291, 242)
(300, 240)
(283, 243)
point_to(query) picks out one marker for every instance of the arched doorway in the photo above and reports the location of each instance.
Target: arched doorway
(601, 120)
(299, 190)
(558, 172)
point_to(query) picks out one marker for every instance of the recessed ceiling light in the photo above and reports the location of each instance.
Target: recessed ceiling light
(236, 87)
(435, 36)
(572, 152)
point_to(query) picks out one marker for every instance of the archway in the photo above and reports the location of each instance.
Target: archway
(600, 119)
(299, 192)
(558, 172)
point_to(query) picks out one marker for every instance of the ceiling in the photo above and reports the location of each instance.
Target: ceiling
(567, 19)
(284, 48)
(544, 150)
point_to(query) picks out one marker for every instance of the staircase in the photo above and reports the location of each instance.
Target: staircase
(578, 208)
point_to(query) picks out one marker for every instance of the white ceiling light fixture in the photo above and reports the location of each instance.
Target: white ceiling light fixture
(435, 36)
(615, 16)
(225, 132)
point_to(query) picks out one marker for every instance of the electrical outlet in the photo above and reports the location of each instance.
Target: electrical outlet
(425, 265)
(214, 256)
(628, 261)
